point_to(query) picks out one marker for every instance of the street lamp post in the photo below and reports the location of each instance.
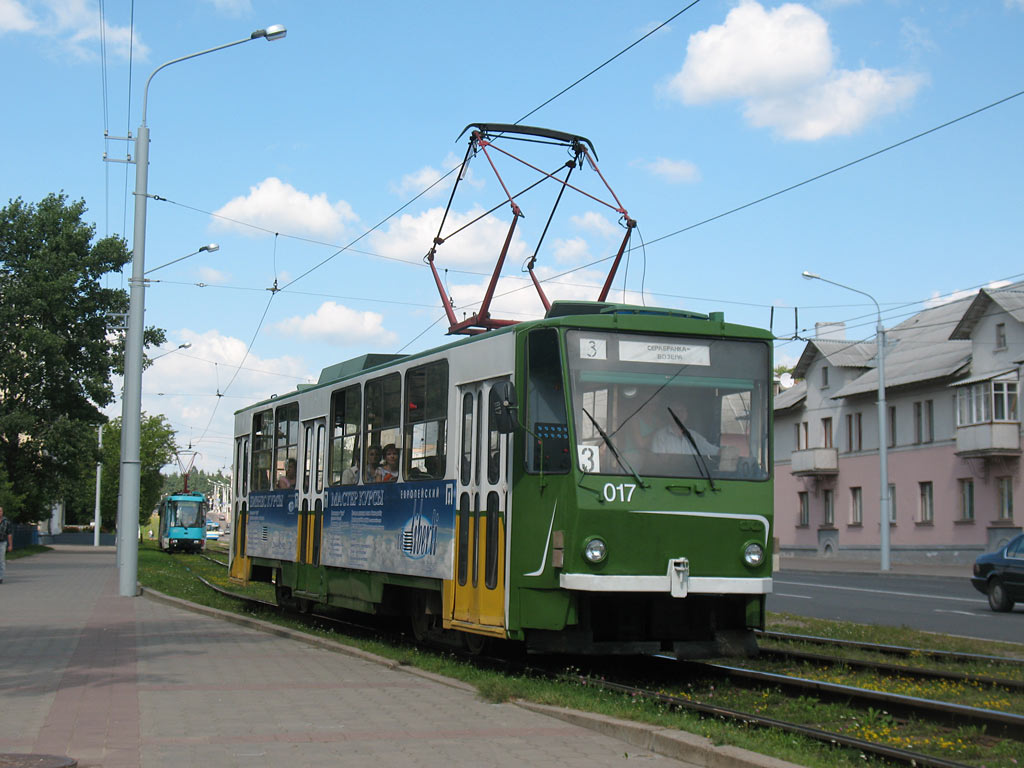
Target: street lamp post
(883, 458)
(131, 403)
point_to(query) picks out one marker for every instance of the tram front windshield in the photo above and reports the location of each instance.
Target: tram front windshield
(672, 406)
(187, 514)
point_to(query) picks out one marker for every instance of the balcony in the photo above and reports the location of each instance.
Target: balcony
(997, 438)
(815, 461)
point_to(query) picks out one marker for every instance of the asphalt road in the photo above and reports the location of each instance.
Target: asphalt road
(931, 603)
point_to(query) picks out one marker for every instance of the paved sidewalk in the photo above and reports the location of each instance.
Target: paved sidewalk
(117, 682)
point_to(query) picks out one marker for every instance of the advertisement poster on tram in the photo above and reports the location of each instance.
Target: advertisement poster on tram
(272, 530)
(406, 528)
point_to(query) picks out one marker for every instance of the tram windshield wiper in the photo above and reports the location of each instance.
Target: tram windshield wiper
(615, 452)
(701, 461)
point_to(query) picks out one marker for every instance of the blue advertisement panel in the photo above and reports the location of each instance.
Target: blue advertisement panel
(406, 528)
(273, 527)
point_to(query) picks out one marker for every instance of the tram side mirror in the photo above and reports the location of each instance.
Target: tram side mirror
(504, 404)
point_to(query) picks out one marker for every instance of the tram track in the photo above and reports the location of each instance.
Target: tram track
(993, 723)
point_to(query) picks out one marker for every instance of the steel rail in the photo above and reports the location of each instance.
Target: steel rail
(779, 654)
(836, 739)
(898, 650)
(1006, 724)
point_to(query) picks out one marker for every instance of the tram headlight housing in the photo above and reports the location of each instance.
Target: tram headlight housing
(595, 550)
(753, 554)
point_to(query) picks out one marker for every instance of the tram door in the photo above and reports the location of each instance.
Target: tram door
(240, 566)
(480, 516)
(311, 491)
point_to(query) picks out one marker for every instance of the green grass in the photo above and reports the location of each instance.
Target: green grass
(175, 575)
(32, 549)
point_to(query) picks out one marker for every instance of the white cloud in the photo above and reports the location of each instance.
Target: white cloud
(14, 17)
(416, 182)
(839, 106)
(591, 221)
(278, 206)
(409, 237)
(232, 7)
(213, 276)
(336, 324)
(183, 386)
(675, 171)
(575, 250)
(73, 24)
(780, 63)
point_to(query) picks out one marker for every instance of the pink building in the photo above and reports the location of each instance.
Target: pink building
(953, 436)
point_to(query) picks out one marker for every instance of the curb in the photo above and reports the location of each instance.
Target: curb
(686, 747)
(679, 745)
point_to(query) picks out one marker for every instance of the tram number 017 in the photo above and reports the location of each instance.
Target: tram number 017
(619, 492)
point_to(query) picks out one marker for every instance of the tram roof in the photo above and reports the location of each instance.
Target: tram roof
(561, 313)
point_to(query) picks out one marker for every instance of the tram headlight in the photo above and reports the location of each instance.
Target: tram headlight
(753, 554)
(595, 550)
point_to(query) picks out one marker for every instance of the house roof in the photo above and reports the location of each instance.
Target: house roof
(1010, 299)
(918, 350)
(791, 397)
(840, 353)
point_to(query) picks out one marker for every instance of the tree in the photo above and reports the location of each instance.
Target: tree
(156, 450)
(57, 354)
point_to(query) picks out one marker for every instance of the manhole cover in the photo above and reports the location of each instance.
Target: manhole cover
(11, 760)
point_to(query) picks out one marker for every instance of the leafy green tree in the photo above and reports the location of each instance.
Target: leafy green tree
(57, 355)
(198, 480)
(156, 450)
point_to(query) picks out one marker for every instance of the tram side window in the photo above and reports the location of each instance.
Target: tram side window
(345, 407)
(262, 450)
(287, 449)
(382, 419)
(426, 420)
(546, 414)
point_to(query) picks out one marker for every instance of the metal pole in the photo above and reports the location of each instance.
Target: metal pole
(131, 402)
(96, 511)
(883, 458)
(883, 441)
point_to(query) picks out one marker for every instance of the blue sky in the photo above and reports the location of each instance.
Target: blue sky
(322, 135)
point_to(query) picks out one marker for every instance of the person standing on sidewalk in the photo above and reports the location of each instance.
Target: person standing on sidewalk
(6, 542)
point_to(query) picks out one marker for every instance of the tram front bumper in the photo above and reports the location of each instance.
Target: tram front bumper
(676, 581)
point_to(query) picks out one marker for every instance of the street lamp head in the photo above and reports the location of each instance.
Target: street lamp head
(273, 32)
(186, 345)
(211, 248)
(810, 275)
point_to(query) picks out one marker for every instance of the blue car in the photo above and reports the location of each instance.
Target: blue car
(1000, 575)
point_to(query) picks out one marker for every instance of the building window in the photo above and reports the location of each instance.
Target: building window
(927, 510)
(1004, 400)
(826, 432)
(892, 503)
(892, 427)
(973, 404)
(856, 507)
(1005, 498)
(805, 509)
(801, 436)
(854, 435)
(1000, 335)
(824, 377)
(924, 429)
(830, 508)
(966, 499)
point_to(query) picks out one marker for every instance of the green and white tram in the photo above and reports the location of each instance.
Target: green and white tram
(598, 481)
